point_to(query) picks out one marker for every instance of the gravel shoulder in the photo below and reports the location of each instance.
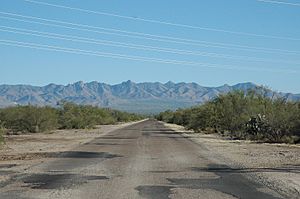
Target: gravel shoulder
(274, 165)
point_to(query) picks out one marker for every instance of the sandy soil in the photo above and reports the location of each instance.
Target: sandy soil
(21, 152)
(275, 165)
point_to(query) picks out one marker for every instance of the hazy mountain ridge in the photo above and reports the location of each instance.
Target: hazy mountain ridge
(129, 96)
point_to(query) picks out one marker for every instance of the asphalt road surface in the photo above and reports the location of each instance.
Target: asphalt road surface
(144, 160)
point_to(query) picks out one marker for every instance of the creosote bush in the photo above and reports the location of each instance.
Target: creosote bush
(241, 115)
(33, 119)
(29, 118)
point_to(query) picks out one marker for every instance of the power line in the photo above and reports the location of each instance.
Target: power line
(127, 45)
(128, 57)
(145, 36)
(162, 22)
(165, 38)
(110, 43)
(280, 2)
(102, 54)
(124, 33)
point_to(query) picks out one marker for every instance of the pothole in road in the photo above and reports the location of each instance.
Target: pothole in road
(6, 172)
(7, 166)
(102, 144)
(85, 154)
(65, 154)
(57, 181)
(163, 171)
(230, 181)
(116, 138)
(154, 192)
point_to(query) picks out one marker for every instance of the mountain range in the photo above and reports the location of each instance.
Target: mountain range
(128, 96)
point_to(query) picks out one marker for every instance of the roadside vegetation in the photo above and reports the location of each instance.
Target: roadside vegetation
(33, 119)
(242, 115)
(2, 131)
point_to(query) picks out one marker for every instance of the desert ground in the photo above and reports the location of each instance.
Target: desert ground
(146, 159)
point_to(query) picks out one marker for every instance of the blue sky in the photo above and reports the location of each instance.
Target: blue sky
(228, 42)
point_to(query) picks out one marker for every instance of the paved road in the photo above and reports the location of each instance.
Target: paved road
(144, 160)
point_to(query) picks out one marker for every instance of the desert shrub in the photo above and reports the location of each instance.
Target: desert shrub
(2, 130)
(166, 116)
(232, 112)
(120, 116)
(35, 119)
(244, 115)
(282, 119)
(72, 116)
(29, 118)
(202, 118)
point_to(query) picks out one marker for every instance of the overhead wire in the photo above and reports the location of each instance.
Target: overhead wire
(127, 45)
(128, 57)
(162, 22)
(143, 35)
(280, 2)
(85, 27)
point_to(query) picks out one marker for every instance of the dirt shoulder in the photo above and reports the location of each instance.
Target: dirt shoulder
(274, 165)
(21, 152)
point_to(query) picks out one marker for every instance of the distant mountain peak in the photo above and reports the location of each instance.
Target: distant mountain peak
(51, 84)
(129, 82)
(169, 82)
(79, 83)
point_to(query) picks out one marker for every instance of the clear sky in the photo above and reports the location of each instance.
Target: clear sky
(210, 42)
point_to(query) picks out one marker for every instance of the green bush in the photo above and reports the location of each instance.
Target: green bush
(75, 116)
(35, 119)
(72, 116)
(166, 116)
(202, 118)
(251, 115)
(1, 133)
(29, 118)
(279, 122)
